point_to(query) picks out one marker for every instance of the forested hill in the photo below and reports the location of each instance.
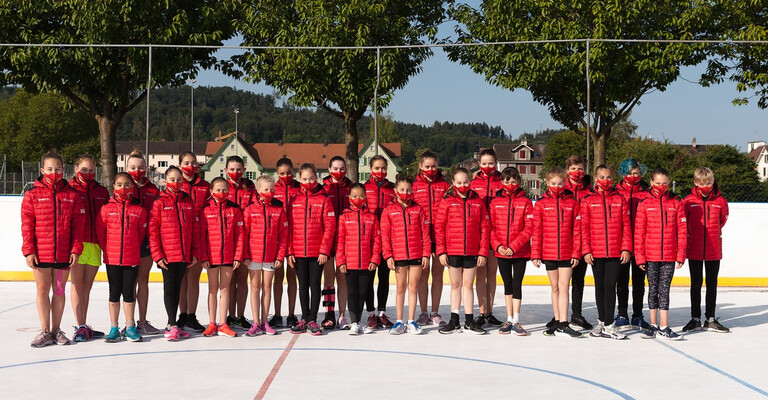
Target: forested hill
(262, 119)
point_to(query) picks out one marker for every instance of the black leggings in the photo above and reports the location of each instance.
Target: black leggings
(606, 272)
(382, 291)
(711, 268)
(172, 278)
(512, 271)
(659, 282)
(358, 282)
(577, 287)
(122, 281)
(638, 289)
(310, 274)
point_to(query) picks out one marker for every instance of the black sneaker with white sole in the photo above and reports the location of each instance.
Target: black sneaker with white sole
(276, 321)
(552, 324)
(713, 325)
(565, 330)
(193, 325)
(494, 321)
(480, 320)
(471, 326)
(693, 325)
(669, 334)
(453, 325)
(579, 322)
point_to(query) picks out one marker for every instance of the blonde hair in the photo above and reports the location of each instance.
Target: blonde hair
(703, 175)
(556, 172)
(264, 178)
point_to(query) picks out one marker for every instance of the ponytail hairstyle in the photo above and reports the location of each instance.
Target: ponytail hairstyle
(308, 167)
(377, 158)
(83, 157)
(136, 153)
(403, 178)
(172, 168)
(52, 153)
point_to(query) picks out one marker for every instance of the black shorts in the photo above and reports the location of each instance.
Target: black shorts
(416, 262)
(553, 265)
(225, 265)
(462, 261)
(434, 248)
(144, 249)
(53, 265)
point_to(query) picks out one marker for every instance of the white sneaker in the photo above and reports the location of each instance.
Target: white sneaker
(613, 332)
(413, 328)
(354, 329)
(343, 325)
(397, 329)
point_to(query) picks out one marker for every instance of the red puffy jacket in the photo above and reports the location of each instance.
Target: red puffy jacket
(52, 218)
(706, 218)
(338, 192)
(121, 227)
(146, 194)
(379, 194)
(241, 193)
(556, 228)
(93, 196)
(405, 232)
(661, 231)
(511, 217)
(579, 190)
(633, 194)
(486, 185)
(267, 228)
(359, 239)
(198, 190)
(428, 195)
(312, 224)
(605, 227)
(174, 228)
(221, 233)
(462, 227)
(286, 193)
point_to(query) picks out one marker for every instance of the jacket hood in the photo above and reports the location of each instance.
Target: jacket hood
(713, 195)
(58, 186)
(346, 182)
(438, 178)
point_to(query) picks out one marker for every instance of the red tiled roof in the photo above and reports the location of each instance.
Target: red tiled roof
(755, 154)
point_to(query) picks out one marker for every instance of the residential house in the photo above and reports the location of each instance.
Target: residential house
(161, 154)
(218, 153)
(527, 158)
(758, 151)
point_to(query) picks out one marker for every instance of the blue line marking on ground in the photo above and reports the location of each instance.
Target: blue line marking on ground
(13, 308)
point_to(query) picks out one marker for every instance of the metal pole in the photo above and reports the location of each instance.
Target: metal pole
(376, 103)
(237, 134)
(149, 86)
(192, 116)
(589, 126)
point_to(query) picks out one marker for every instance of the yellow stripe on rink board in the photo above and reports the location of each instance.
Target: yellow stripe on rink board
(535, 280)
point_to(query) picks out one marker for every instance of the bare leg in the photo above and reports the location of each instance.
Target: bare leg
(59, 299)
(129, 309)
(468, 278)
(401, 276)
(482, 289)
(437, 283)
(341, 292)
(114, 312)
(290, 275)
(77, 294)
(414, 275)
(193, 287)
(654, 316)
(564, 284)
(224, 285)
(492, 267)
(142, 287)
(664, 314)
(423, 291)
(240, 277)
(256, 302)
(456, 276)
(277, 288)
(213, 293)
(554, 285)
(266, 292)
(43, 278)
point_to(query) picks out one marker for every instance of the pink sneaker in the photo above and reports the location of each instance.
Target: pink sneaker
(183, 334)
(268, 329)
(255, 330)
(173, 334)
(314, 329)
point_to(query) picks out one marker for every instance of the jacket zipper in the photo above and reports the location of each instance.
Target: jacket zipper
(606, 210)
(663, 214)
(510, 218)
(90, 207)
(181, 229)
(405, 228)
(466, 217)
(360, 226)
(122, 234)
(558, 226)
(307, 215)
(55, 227)
(266, 229)
(706, 221)
(221, 226)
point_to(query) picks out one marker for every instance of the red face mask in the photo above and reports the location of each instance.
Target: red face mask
(174, 186)
(429, 173)
(488, 170)
(123, 193)
(461, 189)
(510, 187)
(404, 197)
(220, 196)
(338, 175)
(286, 178)
(556, 191)
(633, 179)
(190, 170)
(53, 178)
(309, 186)
(704, 190)
(604, 184)
(85, 176)
(576, 176)
(267, 196)
(137, 174)
(660, 189)
(357, 202)
(235, 176)
(379, 175)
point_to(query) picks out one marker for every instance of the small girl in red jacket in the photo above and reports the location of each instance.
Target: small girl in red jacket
(266, 227)
(358, 249)
(406, 247)
(286, 188)
(174, 239)
(240, 193)
(52, 220)
(660, 245)
(312, 223)
(462, 234)
(511, 216)
(556, 242)
(121, 227)
(223, 251)
(606, 238)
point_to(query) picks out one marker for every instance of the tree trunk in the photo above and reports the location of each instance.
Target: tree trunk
(599, 142)
(107, 128)
(351, 141)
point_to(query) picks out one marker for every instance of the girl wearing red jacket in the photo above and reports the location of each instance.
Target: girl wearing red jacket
(462, 231)
(199, 191)
(406, 247)
(336, 187)
(266, 227)
(312, 223)
(174, 239)
(357, 253)
(222, 253)
(380, 193)
(511, 216)
(52, 219)
(606, 238)
(660, 242)
(706, 211)
(121, 226)
(487, 183)
(428, 190)
(145, 192)
(556, 241)
(286, 188)
(240, 192)
(93, 196)
(579, 184)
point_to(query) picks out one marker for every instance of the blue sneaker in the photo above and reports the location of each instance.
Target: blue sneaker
(397, 329)
(113, 335)
(649, 333)
(621, 323)
(639, 323)
(132, 335)
(81, 334)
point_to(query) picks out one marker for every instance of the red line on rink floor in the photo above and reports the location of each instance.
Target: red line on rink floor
(275, 369)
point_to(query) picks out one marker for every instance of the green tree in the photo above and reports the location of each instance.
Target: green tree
(562, 146)
(108, 82)
(341, 82)
(620, 73)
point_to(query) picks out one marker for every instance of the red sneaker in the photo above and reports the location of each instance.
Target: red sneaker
(211, 330)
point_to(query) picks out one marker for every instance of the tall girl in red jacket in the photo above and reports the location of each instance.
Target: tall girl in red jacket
(266, 227)
(357, 253)
(222, 253)
(487, 183)
(462, 231)
(93, 196)
(312, 224)
(240, 192)
(406, 247)
(286, 188)
(336, 187)
(121, 227)
(511, 217)
(52, 219)
(660, 245)
(606, 238)
(146, 193)
(174, 239)
(556, 243)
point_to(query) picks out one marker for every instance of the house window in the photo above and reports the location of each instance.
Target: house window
(522, 169)
(765, 158)
(232, 147)
(122, 156)
(221, 173)
(763, 171)
(245, 160)
(522, 154)
(221, 159)
(250, 175)
(533, 169)
(162, 164)
(362, 161)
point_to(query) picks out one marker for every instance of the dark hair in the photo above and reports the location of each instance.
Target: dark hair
(83, 157)
(230, 159)
(403, 178)
(186, 153)
(427, 154)
(284, 161)
(575, 159)
(459, 170)
(377, 158)
(217, 180)
(52, 153)
(308, 166)
(511, 172)
(357, 186)
(602, 166)
(124, 175)
(660, 171)
(488, 152)
(172, 168)
(337, 158)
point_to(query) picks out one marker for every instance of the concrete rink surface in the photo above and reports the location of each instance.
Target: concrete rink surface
(380, 366)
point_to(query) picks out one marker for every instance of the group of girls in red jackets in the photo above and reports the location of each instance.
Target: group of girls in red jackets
(251, 236)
